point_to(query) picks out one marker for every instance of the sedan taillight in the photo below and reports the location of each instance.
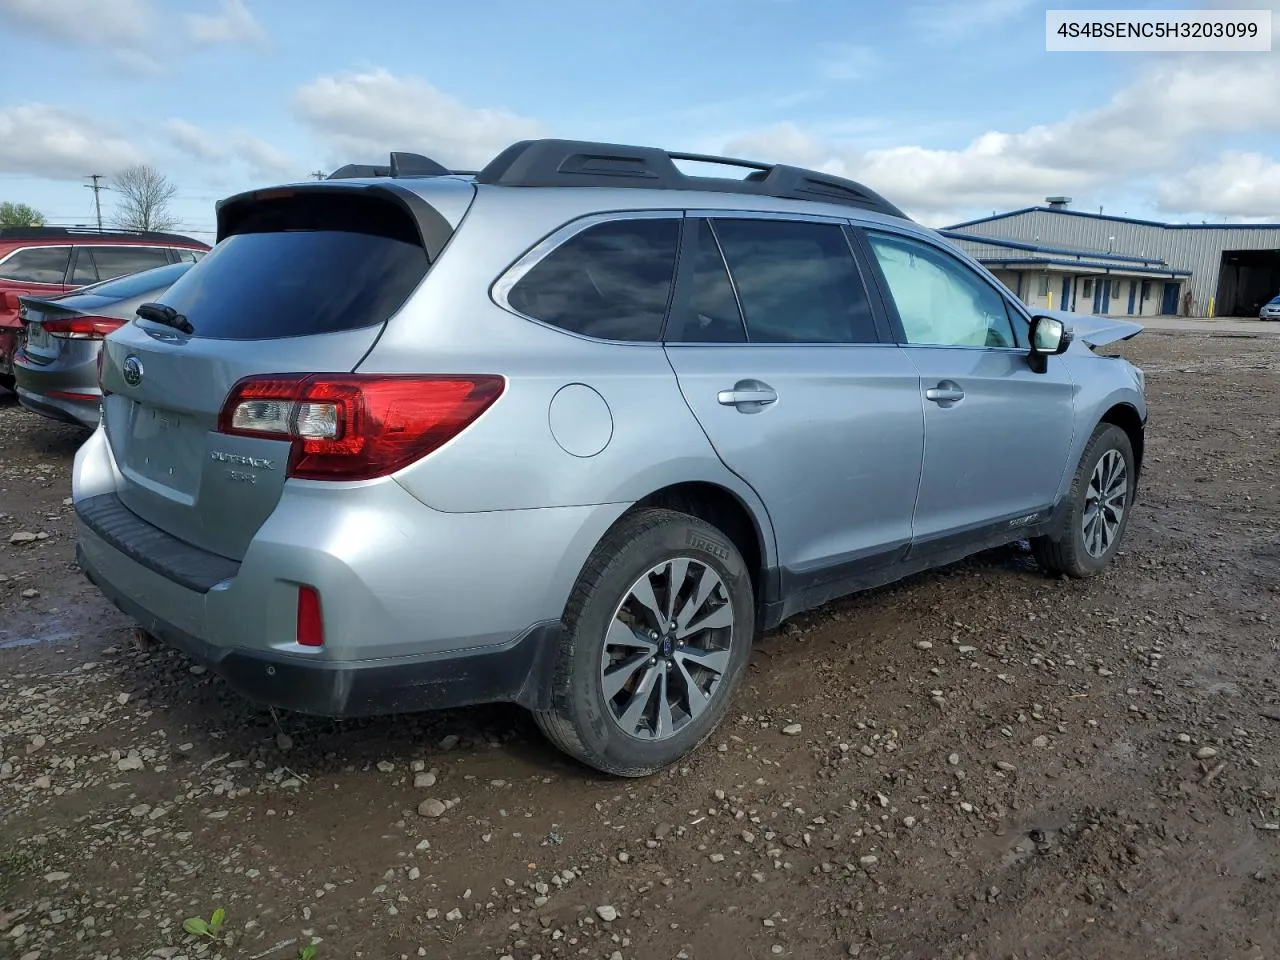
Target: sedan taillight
(82, 328)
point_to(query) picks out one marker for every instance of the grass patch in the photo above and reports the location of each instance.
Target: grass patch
(15, 866)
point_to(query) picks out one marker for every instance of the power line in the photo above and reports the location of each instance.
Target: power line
(97, 189)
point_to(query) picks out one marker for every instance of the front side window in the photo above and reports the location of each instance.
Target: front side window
(797, 282)
(37, 265)
(612, 281)
(940, 301)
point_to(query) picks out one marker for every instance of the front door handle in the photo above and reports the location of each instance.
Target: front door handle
(946, 392)
(747, 395)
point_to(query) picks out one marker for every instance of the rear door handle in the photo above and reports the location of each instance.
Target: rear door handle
(945, 392)
(747, 395)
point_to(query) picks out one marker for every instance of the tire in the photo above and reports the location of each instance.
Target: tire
(1069, 550)
(584, 720)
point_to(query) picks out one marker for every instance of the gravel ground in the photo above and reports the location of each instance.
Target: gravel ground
(979, 762)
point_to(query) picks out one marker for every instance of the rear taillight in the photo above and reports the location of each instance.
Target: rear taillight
(310, 623)
(356, 426)
(82, 328)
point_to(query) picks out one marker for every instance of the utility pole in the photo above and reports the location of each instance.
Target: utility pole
(318, 174)
(97, 189)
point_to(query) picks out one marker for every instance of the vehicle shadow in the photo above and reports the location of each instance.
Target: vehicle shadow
(497, 739)
(199, 708)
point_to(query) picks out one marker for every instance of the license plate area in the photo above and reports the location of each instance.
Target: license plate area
(39, 342)
(164, 450)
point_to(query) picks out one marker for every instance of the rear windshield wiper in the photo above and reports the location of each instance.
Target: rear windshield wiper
(163, 313)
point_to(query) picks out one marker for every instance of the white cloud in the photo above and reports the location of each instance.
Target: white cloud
(363, 116)
(98, 22)
(60, 143)
(1149, 128)
(232, 24)
(1237, 185)
(264, 161)
(193, 141)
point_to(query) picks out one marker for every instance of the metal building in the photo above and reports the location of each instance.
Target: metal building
(1094, 263)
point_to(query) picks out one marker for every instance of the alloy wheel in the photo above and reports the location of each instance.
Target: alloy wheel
(1104, 503)
(666, 651)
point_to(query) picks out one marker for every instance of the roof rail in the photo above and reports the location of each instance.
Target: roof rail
(106, 233)
(579, 163)
(402, 165)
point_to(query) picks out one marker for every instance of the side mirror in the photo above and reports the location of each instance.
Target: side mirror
(1049, 337)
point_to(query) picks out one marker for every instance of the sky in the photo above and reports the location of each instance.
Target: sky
(951, 110)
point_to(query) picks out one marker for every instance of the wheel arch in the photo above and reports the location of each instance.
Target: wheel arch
(1126, 417)
(728, 512)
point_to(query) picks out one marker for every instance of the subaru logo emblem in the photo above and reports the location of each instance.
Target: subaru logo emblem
(132, 370)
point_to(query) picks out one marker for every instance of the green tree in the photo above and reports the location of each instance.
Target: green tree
(20, 215)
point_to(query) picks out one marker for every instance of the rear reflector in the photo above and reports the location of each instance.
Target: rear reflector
(310, 624)
(73, 396)
(352, 426)
(82, 328)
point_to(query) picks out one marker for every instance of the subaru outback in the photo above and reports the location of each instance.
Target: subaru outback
(572, 431)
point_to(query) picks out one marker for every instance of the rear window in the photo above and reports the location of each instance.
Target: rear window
(301, 266)
(119, 261)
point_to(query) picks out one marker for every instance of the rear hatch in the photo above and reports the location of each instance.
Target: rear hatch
(302, 280)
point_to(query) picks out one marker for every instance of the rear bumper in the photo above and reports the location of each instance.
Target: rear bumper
(81, 413)
(420, 608)
(65, 389)
(517, 672)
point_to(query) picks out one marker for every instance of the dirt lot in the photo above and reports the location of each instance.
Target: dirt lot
(991, 763)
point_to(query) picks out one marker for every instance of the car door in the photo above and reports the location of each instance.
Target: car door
(786, 362)
(997, 434)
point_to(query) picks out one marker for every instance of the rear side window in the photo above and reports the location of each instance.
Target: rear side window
(121, 261)
(797, 282)
(612, 281)
(37, 265)
(301, 266)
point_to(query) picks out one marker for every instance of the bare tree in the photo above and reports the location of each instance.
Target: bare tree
(145, 194)
(20, 215)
